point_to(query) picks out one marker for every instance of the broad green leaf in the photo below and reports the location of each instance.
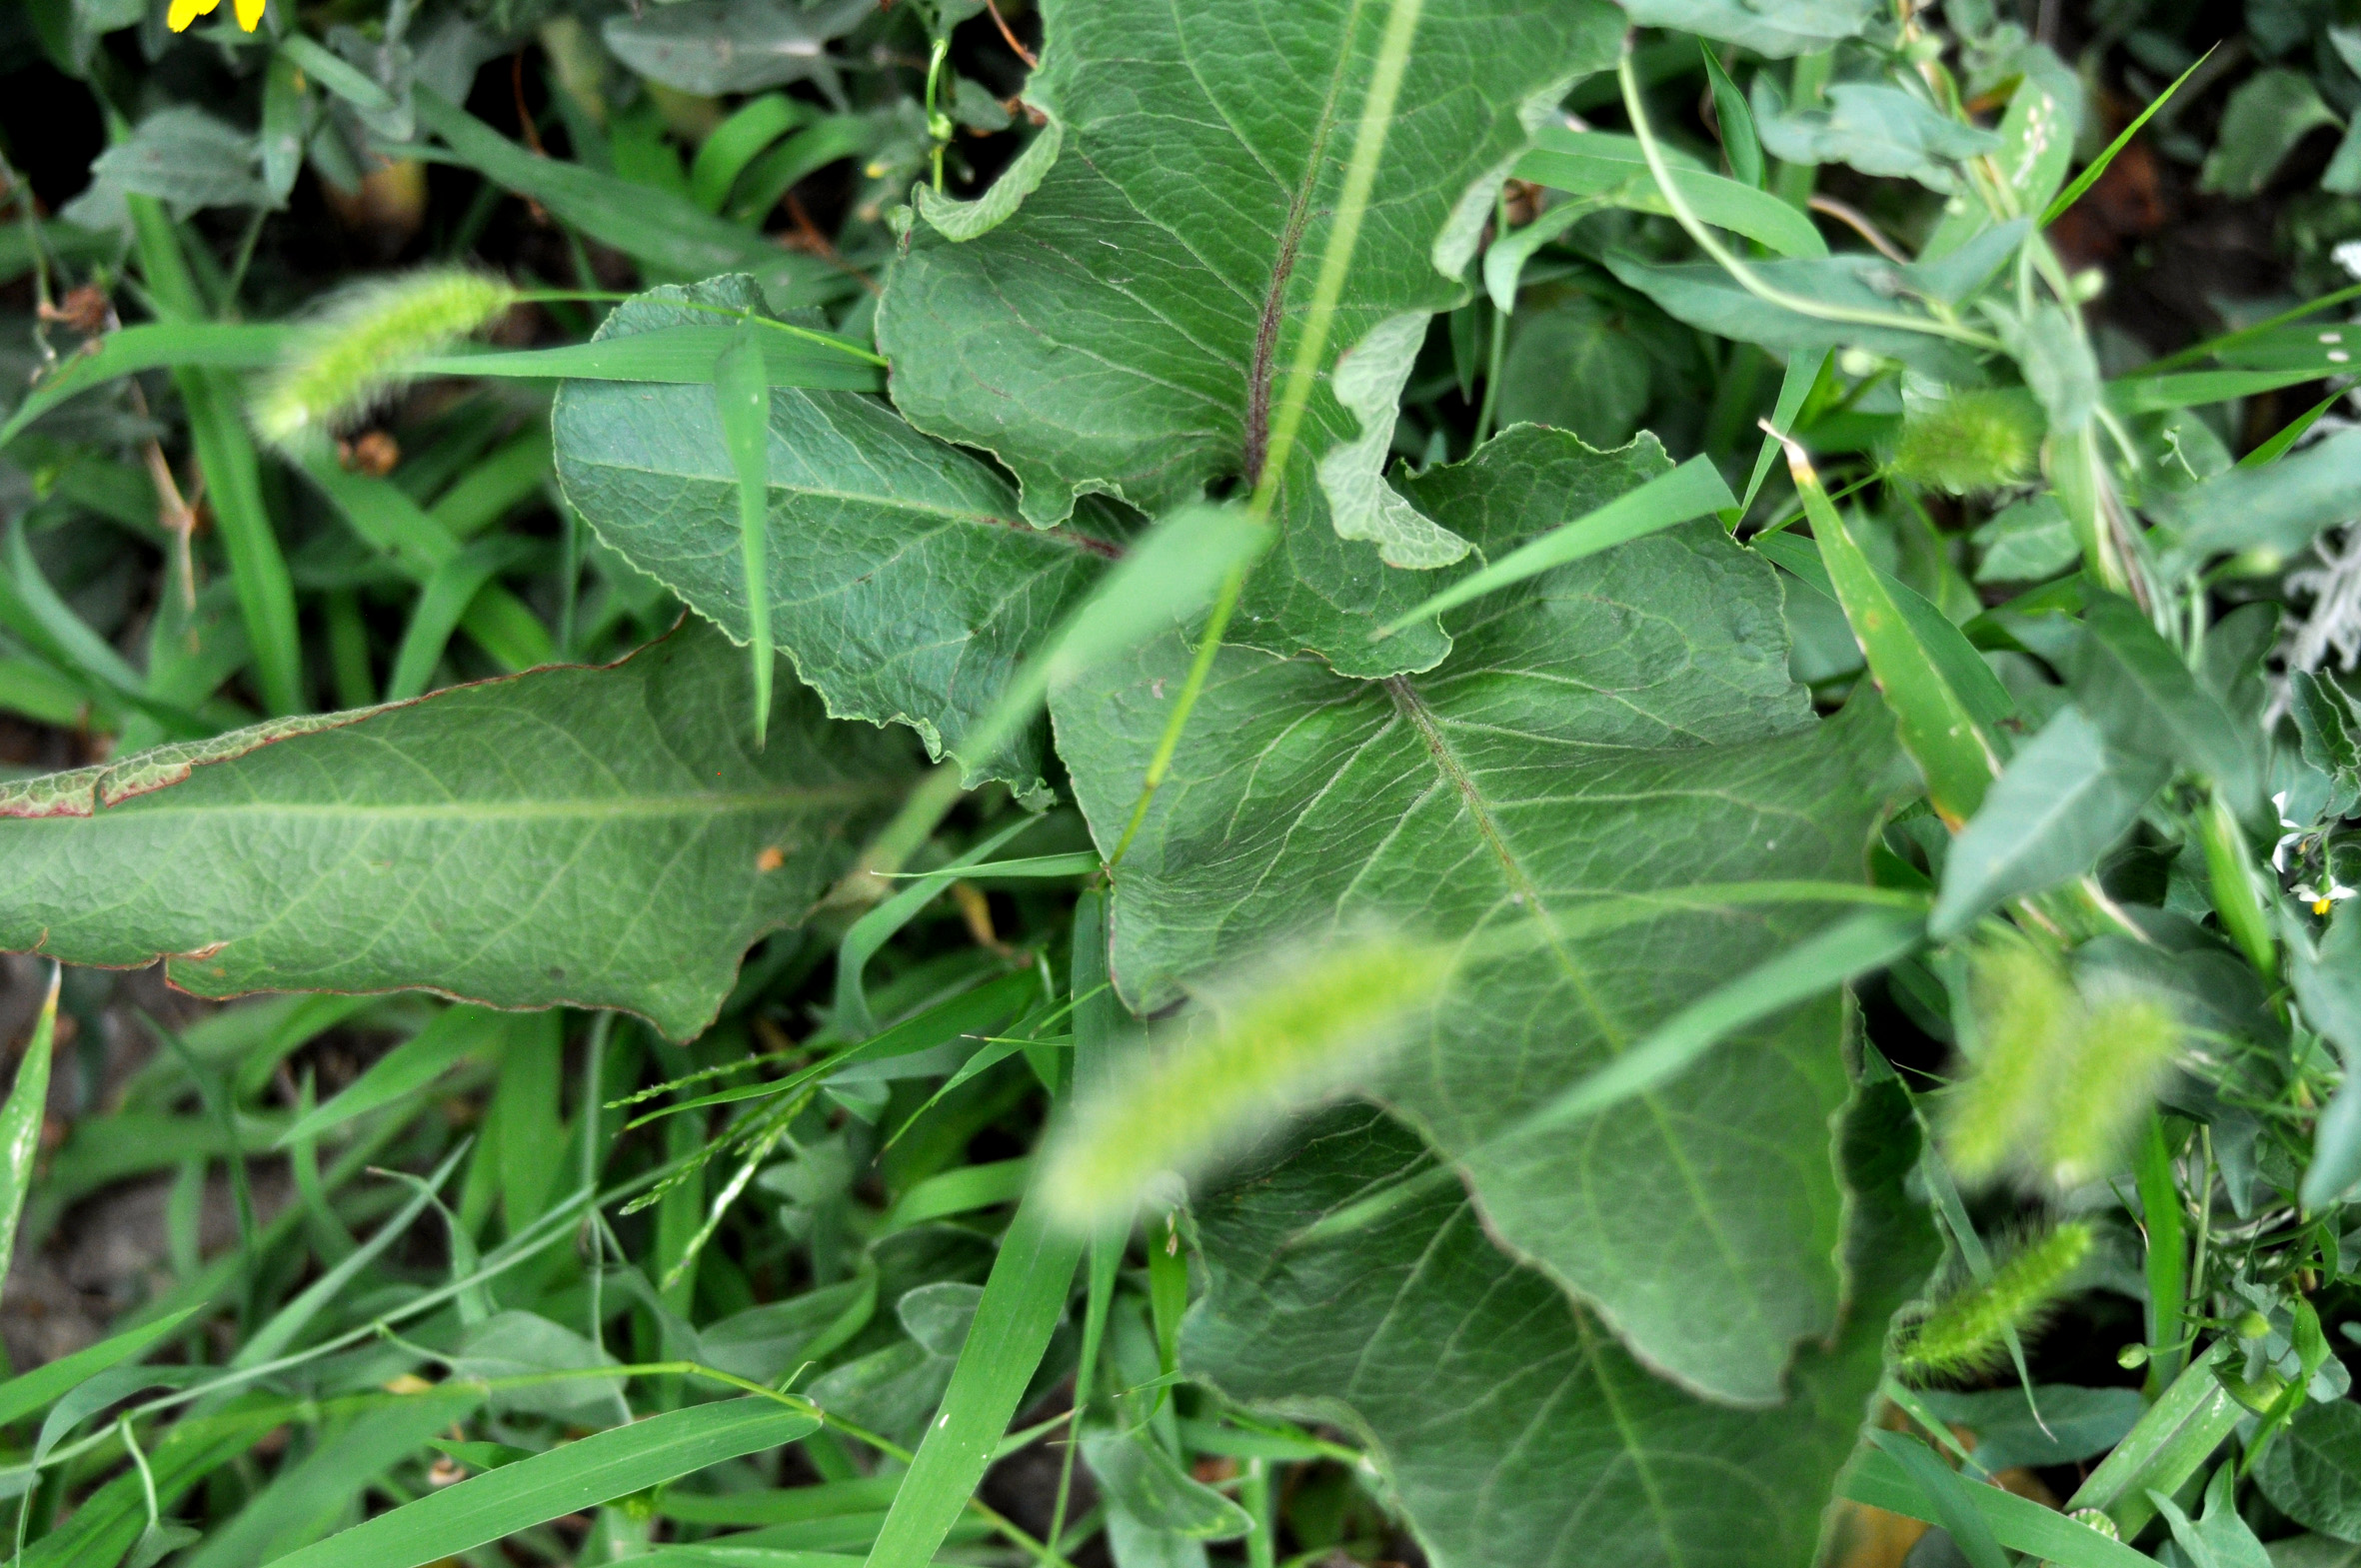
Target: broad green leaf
(2130, 683)
(591, 836)
(1576, 365)
(2312, 1473)
(2027, 543)
(1149, 1484)
(1023, 1302)
(1123, 327)
(1508, 1422)
(2328, 726)
(2065, 796)
(2279, 508)
(517, 1344)
(712, 47)
(181, 157)
(1612, 168)
(2314, 1551)
(566, 1479)
(2037, 134)
(1706, 296)
(1632, 698)
(903, 583)
(1778, 28)
(1877, 129)
(21, 1118)
(2267, 116)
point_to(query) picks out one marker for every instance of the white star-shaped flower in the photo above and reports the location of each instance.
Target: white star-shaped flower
(2293, 836)
(2323, 900)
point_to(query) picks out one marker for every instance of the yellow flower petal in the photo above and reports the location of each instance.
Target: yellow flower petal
(184, 12)
(249, 13)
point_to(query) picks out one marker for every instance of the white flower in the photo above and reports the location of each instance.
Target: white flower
(2323, 900)
(2279, 851)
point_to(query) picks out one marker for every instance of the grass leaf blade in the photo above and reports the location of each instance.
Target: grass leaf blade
(564, 1480)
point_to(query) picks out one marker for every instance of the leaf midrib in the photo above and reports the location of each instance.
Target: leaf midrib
(629, 808)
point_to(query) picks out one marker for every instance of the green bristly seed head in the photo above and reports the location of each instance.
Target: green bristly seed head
(2058, 1079)
(1967, 1332)
(2022, 1002)
(357, 348)
(1294, 1035)
(1969, 442)
(2106, 1081)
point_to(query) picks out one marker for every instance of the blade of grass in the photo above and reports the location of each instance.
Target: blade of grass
(874, 929)
(2273, 448)
(1796, 385)
(1935, 725)
(2178, 1434)
(1097, 1021)
(2151, 393)
(664, 231)
(2167, 1264)
(2098, 166)
(443, 603)
(21, 1118)
(735, 141)
(1690, 491)
(1878, 1479)
(2213, 346)
(21, 1396)
(743, 398)
(1954, 1505)
(232, 471)
(567, 1479)
(183, 344)
(266, 1342)
(684, 355)
(457, 1032)
(960, 1191)
(421, 543)
(1023, 1298)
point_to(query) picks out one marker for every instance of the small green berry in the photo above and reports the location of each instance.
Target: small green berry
(2252, 1324)
(2132, 1358)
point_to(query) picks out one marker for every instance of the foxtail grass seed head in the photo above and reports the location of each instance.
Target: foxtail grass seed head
(2059, 1076)
(1969, 442)
(1298, 1030)
(1966, 1332)
(2023, 1004)
(2118, 1060)
(358, 349)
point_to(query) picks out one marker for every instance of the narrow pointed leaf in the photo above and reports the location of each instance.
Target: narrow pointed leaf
(566, 1479)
